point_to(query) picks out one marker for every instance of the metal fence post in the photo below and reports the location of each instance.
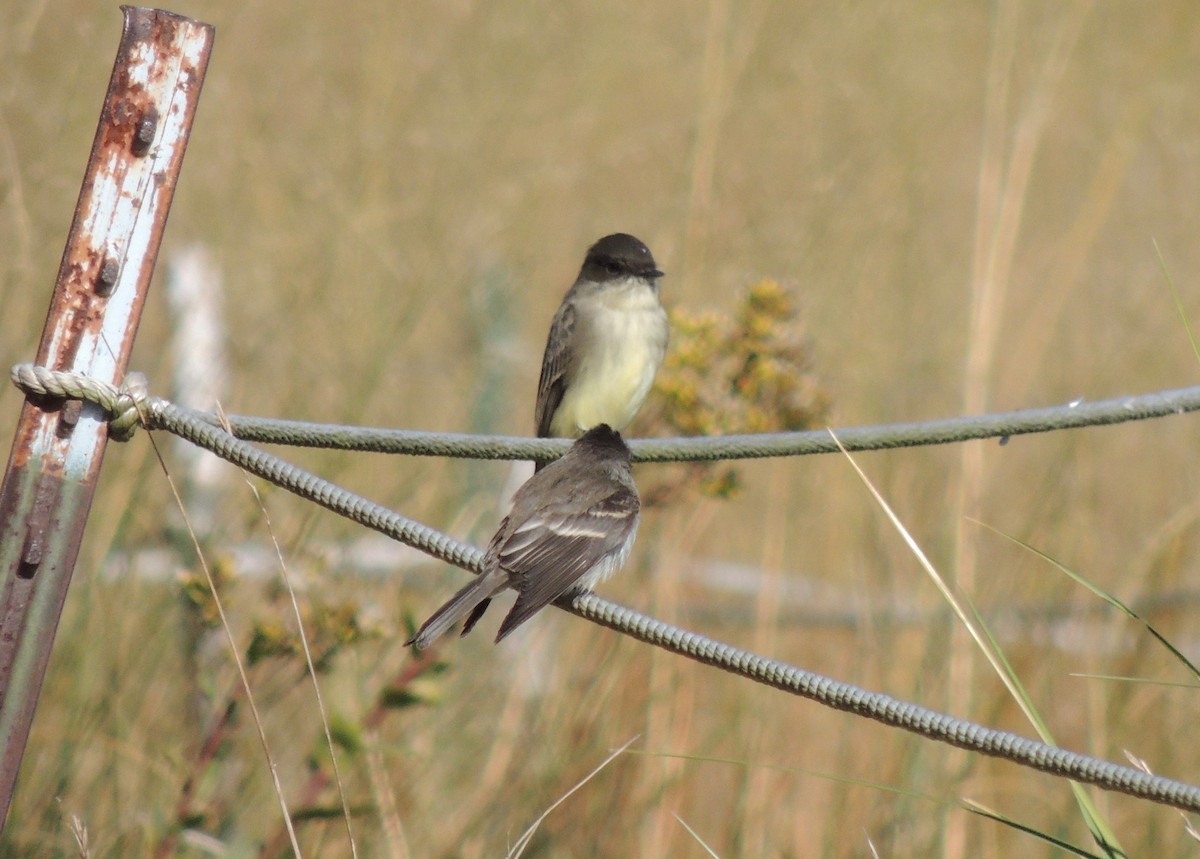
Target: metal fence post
(94, 313)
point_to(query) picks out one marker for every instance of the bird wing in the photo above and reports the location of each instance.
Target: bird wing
(548, 554)
(553, 381)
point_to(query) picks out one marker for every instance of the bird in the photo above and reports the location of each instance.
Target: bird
(572, 525)
(606, 342)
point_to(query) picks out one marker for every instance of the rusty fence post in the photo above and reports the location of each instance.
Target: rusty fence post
(94, 312)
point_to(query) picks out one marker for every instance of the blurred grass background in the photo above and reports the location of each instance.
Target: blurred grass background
(397, 196)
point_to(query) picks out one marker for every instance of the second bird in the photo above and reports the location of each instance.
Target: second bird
(571, 527)
(606, 343)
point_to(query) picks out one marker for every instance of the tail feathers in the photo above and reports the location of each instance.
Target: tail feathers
(472, 600)
(522, 610)
(473, 617)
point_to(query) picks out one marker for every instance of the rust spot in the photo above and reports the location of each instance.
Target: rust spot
(76, 324)
(86, 275)
(10, 495)
(138, 29)
(119, 119)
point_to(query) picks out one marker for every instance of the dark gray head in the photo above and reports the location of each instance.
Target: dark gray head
(604, 440)
(618, 256)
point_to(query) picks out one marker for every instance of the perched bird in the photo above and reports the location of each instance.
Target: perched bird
(606, 342)
(572, 525)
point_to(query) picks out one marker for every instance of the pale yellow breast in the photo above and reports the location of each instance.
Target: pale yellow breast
(622, 336)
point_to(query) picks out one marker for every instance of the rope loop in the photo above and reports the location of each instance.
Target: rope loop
(128, 406)
(132, 408)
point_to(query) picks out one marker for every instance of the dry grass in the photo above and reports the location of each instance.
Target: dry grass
(366, 180)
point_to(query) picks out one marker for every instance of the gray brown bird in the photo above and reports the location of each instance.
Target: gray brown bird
(572, 525)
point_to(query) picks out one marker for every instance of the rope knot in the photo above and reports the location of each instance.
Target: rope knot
(131, 408)
(128, 406)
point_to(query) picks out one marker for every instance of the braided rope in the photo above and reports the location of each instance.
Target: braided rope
(709, 448)
(197, 427)
(126, 404)
(886, 709)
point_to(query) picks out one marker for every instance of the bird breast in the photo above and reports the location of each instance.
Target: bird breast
(623, 337)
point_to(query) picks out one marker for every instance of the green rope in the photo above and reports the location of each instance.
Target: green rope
(1002, 426)
(886, 709)
(197, 427)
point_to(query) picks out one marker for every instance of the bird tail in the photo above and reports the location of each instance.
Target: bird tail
(472, 600)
